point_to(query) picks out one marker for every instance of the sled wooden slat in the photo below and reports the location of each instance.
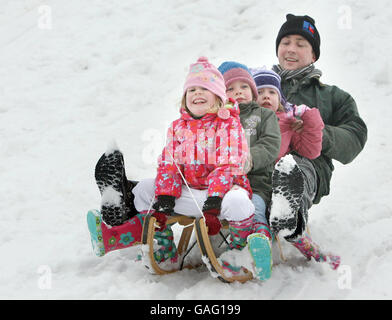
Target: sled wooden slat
(182, 220)
(184, 240)
(208, 252)
(282, 257)
(186, 232)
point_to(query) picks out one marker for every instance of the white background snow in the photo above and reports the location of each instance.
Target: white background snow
(113, 69)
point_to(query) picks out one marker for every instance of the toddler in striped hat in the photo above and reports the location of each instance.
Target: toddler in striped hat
(301, 127)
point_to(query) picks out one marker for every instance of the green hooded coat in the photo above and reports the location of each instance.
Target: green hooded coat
(263, 134)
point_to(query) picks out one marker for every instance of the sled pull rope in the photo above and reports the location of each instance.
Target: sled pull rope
(149, 209)
(152, 201)
(186, 183)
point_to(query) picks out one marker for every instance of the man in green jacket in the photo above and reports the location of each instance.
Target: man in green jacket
(344, 135)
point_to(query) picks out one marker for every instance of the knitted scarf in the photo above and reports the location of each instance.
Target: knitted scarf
(295, 75)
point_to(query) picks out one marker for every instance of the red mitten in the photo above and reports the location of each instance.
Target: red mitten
(212, 223)
(161, 219)
(211, 210)
(163, 207)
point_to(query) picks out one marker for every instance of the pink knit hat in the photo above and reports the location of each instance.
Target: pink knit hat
(203, 74)
(233, 71)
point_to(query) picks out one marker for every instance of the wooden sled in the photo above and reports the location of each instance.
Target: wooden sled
(203, 241)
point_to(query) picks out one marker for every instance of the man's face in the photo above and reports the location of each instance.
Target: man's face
(295, 52)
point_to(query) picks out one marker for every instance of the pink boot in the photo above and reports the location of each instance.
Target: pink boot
(105, 238)
(310, 249)
(232, 258)
(262, 228)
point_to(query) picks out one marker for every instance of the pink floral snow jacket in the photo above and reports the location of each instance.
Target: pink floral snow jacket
(210, 152)
(308, 143)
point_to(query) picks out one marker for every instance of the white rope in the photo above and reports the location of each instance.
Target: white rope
(189, 189)
(188, 225)
(149, 209)
(186, 183)
(152, 201)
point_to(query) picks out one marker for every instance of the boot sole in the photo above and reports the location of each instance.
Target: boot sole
(110, 172)
(260, 249)
(287, 193)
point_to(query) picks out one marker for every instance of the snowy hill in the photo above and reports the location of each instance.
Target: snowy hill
(74, 76)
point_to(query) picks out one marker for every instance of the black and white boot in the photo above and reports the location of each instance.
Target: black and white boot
(287, 193)
(116, 191)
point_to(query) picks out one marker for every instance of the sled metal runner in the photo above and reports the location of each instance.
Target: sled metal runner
(203, 242)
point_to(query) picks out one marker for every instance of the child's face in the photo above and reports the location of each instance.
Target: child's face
(295, 52)
(240, 91)
(199, 100)
(268, 98)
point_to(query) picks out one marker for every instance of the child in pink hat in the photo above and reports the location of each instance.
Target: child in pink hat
(201, 166)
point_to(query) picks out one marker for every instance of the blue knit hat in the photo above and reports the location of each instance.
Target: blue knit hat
(233, 71)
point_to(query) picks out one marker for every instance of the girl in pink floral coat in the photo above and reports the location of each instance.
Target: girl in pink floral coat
(207, 148)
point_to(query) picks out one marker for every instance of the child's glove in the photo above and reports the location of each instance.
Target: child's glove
(211, 210)
(300, 110)
(163, 207)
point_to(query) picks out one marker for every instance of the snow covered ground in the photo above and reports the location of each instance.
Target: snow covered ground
(77, 74)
